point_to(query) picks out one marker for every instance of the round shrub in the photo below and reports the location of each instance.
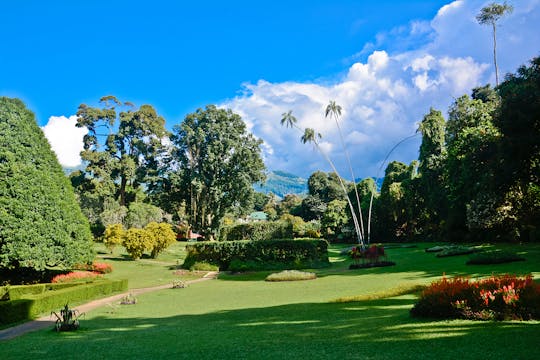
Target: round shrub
(162, 235)
(113, 236)
(137, 241)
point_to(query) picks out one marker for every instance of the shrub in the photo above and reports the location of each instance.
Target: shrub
(501, 297)
(76, 276)
(101, 268)
(291, 275)
(31, 306)
(113, 236)
(494, 257)
(203, 266)
(257, 231)
(137, 241)
(162, 235)
(456, 250)
(276, 254)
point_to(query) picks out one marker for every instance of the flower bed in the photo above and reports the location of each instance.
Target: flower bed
(76, 276)
(101, 268)
(498, 298)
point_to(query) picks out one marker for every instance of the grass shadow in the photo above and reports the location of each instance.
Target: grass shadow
(380, 329)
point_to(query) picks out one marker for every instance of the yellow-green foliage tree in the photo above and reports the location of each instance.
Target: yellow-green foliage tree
(163, 236)
(113, 236)
(137, 241)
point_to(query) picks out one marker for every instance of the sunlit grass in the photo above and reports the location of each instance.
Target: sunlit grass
(242, 316)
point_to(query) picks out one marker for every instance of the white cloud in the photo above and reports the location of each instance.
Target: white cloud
(385, 96)
(66, 139)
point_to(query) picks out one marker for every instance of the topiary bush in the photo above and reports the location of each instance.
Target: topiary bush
(257, 231)
(498, 297)
(255, 255)
(41, 223)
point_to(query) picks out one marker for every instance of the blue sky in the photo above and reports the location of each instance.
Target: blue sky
(385, 62)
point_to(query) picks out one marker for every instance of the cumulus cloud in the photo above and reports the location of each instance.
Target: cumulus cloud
(66, 139)
(385, 96)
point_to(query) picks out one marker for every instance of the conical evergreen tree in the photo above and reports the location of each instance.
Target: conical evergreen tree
(41, 223)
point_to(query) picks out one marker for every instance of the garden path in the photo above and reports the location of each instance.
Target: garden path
(48, 321)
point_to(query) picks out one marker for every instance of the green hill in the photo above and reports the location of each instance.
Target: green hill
(282, 183)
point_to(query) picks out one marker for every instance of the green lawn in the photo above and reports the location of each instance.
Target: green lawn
(241, 316)
(145, 272)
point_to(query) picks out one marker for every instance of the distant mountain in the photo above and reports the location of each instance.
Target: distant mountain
(282, 183)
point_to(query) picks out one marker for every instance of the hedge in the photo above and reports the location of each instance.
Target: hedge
(257, 231)
(271, 254)
(31, 305)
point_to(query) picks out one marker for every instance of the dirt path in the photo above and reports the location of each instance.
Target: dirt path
(48, 321)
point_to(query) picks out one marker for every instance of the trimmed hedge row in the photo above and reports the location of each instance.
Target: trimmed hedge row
(29, 306)
(21, 291)
(253, 255)
(257, 231)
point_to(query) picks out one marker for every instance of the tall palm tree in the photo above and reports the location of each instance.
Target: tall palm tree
(489, 15)
(335, 110)
(288, 119)
(311, 136)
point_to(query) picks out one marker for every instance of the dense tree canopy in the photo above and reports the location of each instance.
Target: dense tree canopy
(123, 151)
(217, 162)
(41, 224)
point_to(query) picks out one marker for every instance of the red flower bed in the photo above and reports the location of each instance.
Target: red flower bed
(75, 276)
(101, 268)
(497, 297)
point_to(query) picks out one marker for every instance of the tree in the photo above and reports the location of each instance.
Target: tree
(129, 152)
(163, 236)
(218, 161)
(311, 136)
(472, 145)
(41, 224)
(335, 216)
(432, 182)
(519, 124)
(489, 15)
(335, 110)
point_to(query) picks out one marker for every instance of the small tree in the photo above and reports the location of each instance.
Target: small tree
(137, 241)
(113, 236)
(163, 237)
(489, 15)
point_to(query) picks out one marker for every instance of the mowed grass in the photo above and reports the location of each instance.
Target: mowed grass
(244, 317)
(145, 272)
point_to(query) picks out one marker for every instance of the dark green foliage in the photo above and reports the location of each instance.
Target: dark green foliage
(218, 161)
(30, 306)
(257, 231)
(41, 224)
(456, 250)
(494, 257)
(252, 255)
